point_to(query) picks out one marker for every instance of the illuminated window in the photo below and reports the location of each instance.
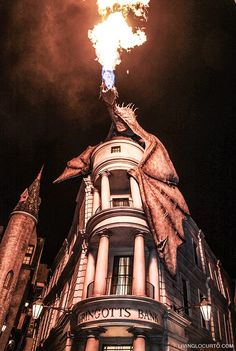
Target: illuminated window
(117, 348)
(119, 202)
(115, 149)
(8, 280)
(30, 249)
(28, 255)
(122, 275)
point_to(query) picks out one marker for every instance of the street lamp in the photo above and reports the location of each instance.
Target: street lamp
(205, 308)
(38, 307)
(4, 326)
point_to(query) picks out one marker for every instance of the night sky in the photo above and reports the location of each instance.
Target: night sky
(182, 80)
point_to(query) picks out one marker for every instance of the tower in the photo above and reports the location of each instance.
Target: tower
(14, 244)
(120, 299)
(115, 284)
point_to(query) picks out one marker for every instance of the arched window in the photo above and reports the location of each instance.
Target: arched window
(8, 280)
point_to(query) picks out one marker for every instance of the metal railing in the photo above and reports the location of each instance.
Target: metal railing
(121, 285)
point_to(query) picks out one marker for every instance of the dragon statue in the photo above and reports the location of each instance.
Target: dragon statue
(163, 203)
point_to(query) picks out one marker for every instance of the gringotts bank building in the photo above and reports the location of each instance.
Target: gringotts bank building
(135, 272)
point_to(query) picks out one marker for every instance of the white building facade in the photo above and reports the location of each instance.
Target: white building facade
(108, 278)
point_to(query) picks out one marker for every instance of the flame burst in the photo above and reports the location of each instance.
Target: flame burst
(113, 34)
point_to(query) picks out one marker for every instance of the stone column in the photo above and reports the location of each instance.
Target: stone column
(139, 277)
(154, 273)
(139, 343)
(135, 193)
(102, 265)
(96, 200)
(105, 191)
(92, 343)
(89, 275)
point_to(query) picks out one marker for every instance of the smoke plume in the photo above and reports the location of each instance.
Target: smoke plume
(47, 49)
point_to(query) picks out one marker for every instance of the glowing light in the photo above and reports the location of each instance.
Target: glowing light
(113, 34)
(109, 77)
(137, 6)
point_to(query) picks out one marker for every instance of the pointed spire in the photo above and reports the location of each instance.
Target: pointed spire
(39, 176)
(29, 200)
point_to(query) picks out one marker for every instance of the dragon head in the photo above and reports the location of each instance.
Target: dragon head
(127, 113)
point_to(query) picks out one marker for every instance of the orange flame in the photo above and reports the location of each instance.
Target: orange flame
(113, 34)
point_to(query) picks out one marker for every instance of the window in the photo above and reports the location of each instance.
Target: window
(195, 253)
(30, 250)
(28, 255)
(8, 280)
(115, 149)
(185, 296)
(117, 348)
(122, 275)
(118, 202)
(202, 320)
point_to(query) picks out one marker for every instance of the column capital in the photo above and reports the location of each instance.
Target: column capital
(140, 233)
(93, 335)
(93, 332)
(104, 173)
(105, 232)
(139, 332)
(138, 335)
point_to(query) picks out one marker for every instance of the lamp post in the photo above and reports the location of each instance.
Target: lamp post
(204, 305)
(38, 307)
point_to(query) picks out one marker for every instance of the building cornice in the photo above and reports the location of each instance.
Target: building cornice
(101, 220)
